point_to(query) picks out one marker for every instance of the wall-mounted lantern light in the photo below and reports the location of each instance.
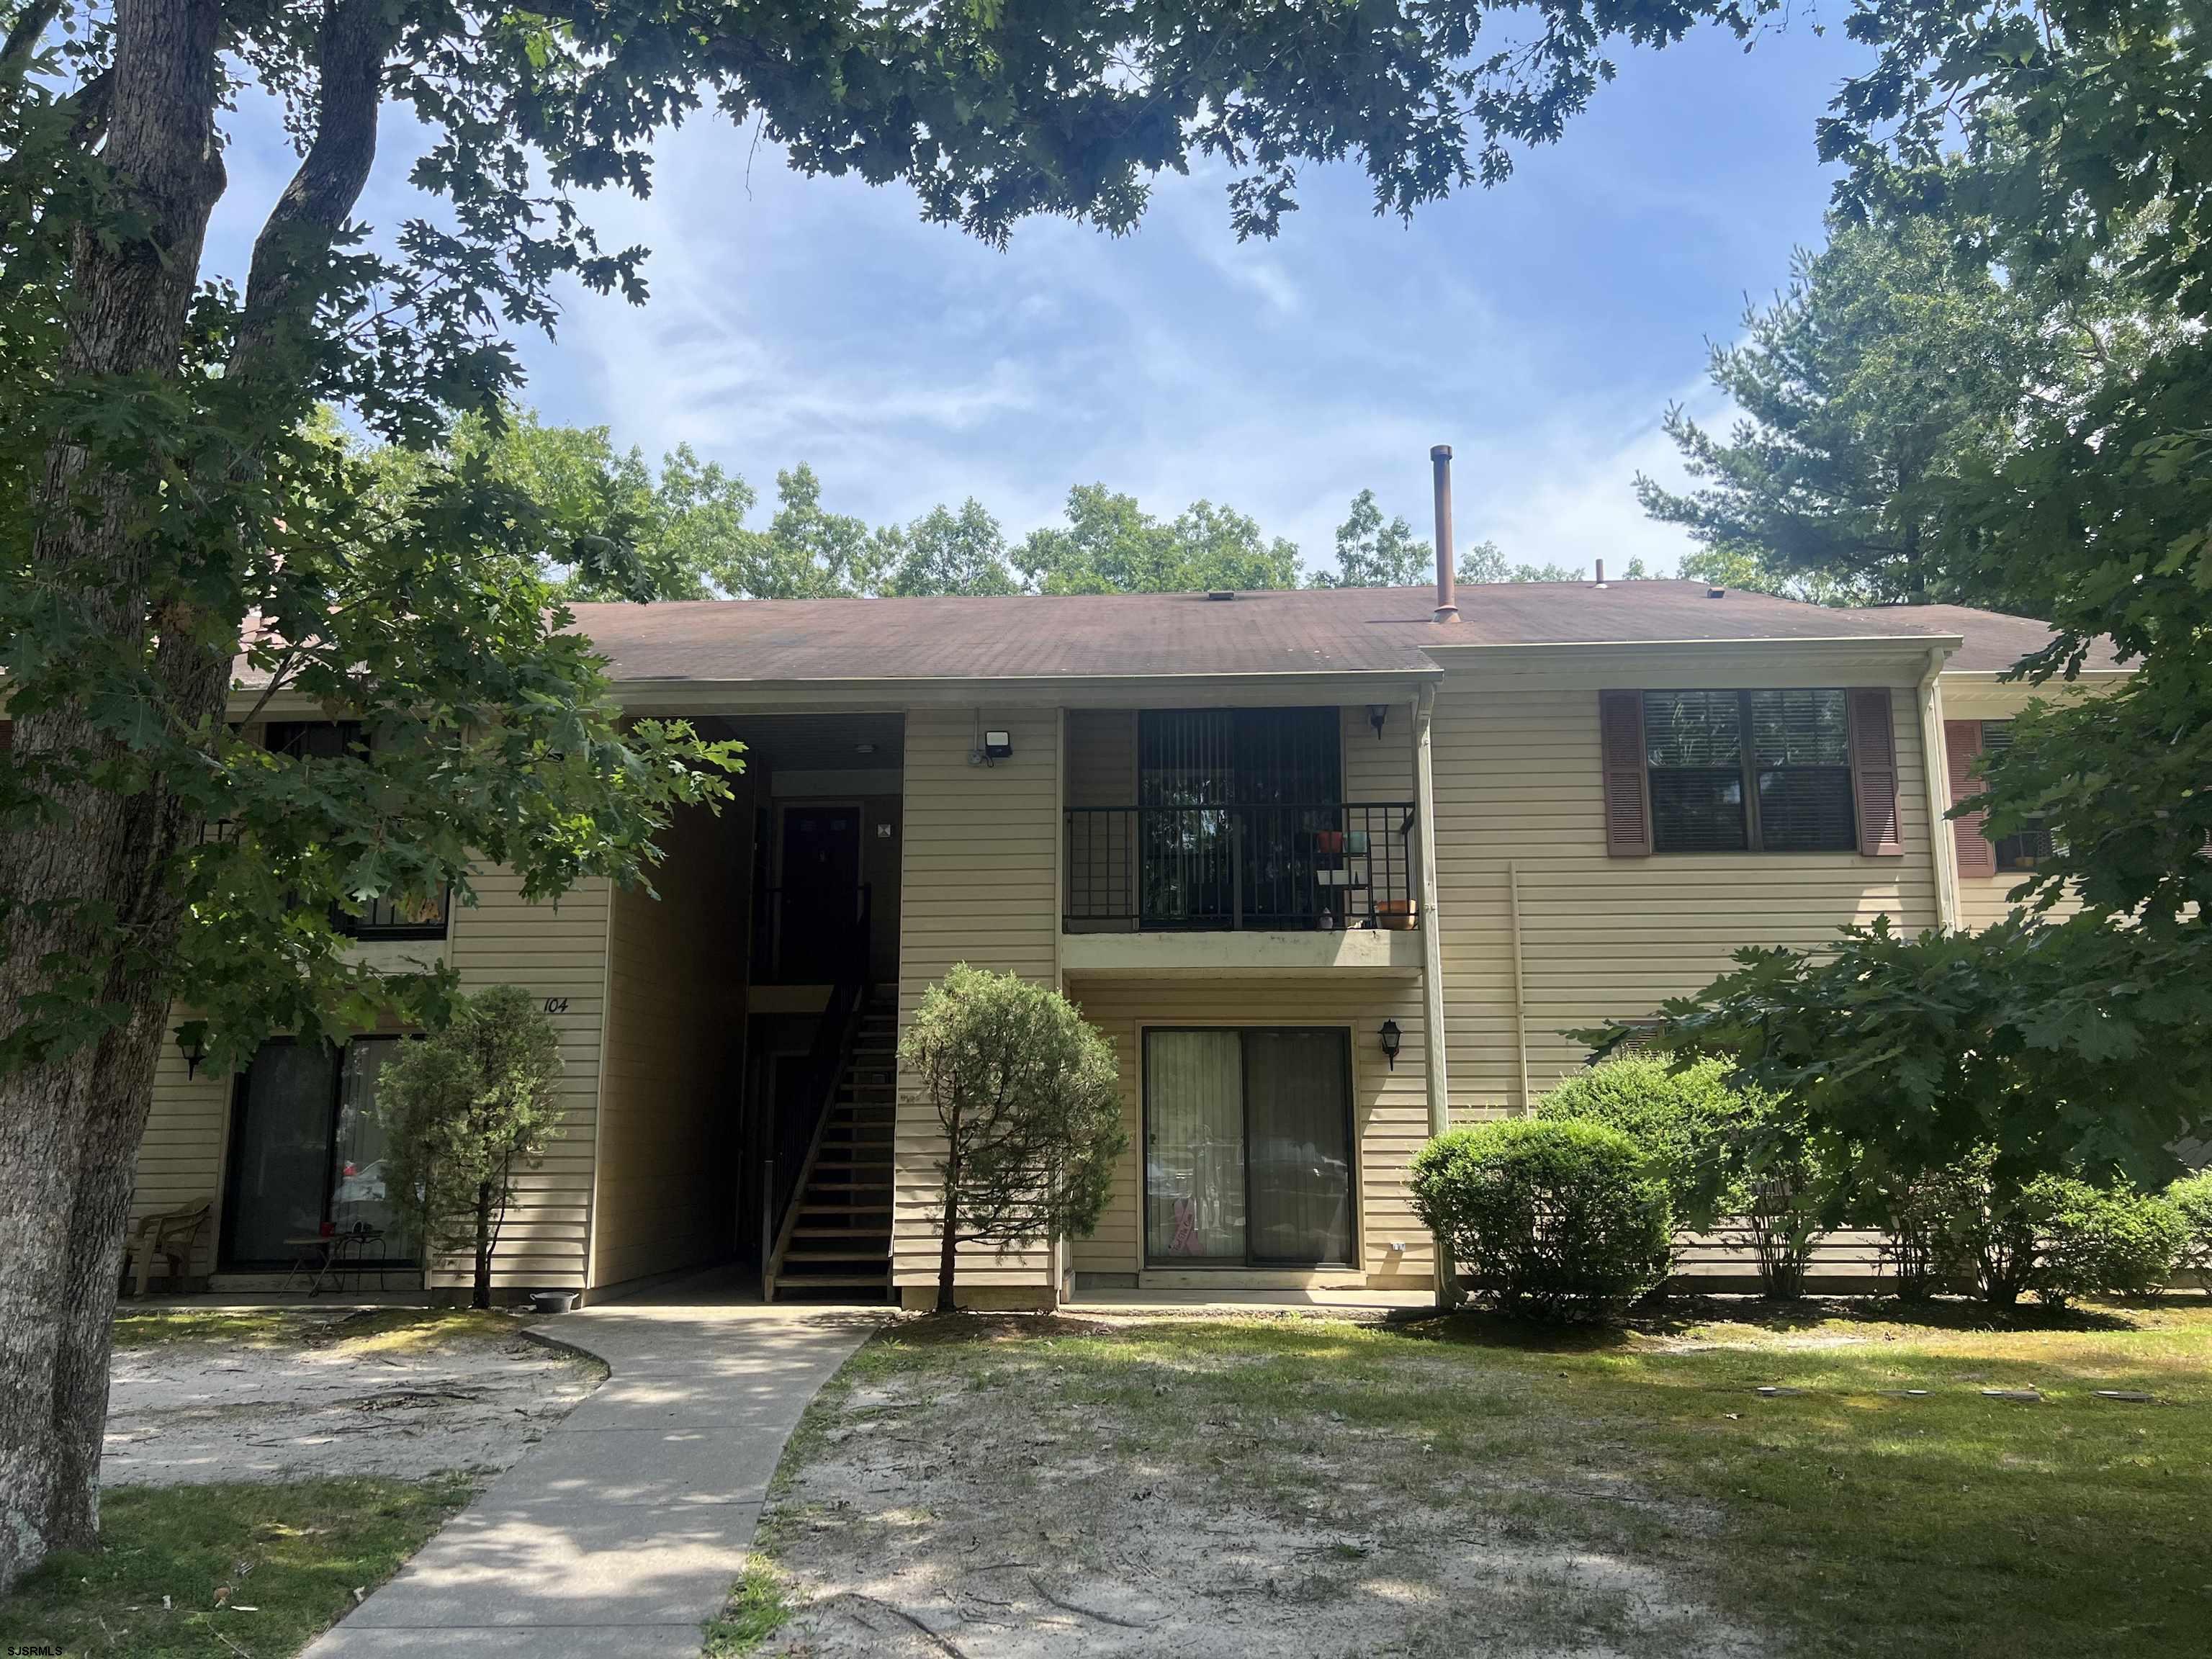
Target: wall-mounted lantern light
(1391, 1038)
(1378, 713)
(192, 1043)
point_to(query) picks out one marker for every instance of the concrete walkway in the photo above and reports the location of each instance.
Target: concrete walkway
(620, 1534)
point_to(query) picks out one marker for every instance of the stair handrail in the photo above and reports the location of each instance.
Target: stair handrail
(835, 1040)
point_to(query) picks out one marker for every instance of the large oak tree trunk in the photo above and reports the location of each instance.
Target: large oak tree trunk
(70, 1124)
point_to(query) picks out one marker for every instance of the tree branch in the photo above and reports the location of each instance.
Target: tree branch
(95, 100)
(356, 35)
(23, 37)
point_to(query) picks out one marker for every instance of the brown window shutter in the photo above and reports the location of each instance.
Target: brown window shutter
(1627, 795)
(1873, 771)
(1962, 747)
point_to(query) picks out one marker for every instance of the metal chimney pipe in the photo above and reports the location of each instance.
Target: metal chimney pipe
(1446, 600)
(1600, 572)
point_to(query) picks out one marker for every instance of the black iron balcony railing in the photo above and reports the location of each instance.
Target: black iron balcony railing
(386, 918)
(391, 918)
(1245, 868)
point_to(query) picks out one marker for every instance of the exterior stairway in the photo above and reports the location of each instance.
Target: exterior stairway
(840, 1247)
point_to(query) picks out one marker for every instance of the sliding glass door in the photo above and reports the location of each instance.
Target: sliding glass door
(1247, 1143)
(1299, 1087)
(306, 1152)
(279, 1153)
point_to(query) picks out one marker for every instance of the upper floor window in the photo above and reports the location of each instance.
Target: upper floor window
(1749, 771)
(2030, 846)
(314, 740)
(386, 917)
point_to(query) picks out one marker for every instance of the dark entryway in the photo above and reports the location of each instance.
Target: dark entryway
(819, 895)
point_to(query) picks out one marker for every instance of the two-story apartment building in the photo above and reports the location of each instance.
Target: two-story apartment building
(1330, 871)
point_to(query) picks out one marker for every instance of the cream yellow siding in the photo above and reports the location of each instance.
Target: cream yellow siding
(1986, 900)
(1389, 1107)
(1520, 800)
(665, 1176)
(557, 952)
(979, 885)
(180, 1155)
(1378, 769)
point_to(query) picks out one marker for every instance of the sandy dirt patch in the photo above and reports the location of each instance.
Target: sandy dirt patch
(399, 1393)
(1014, 1508)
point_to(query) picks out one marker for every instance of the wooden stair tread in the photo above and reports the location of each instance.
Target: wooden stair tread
(840, 1238)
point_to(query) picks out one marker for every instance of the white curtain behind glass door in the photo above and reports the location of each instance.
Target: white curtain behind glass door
(1194, 1152)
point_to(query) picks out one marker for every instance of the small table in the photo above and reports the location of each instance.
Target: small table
(326, 1256)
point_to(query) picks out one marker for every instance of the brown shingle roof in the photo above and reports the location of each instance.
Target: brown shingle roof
(1384, 630)
(1027, 637)
(1995, 640)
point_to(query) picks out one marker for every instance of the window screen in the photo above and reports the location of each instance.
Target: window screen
(1694, 747)
(1802, 748)
(1763, 771)
(2030, 846)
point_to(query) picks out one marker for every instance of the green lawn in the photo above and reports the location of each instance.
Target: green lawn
(1850, 1518)
(254, 1570)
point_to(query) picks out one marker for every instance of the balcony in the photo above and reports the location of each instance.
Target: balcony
(391, 919)
(1199, 890)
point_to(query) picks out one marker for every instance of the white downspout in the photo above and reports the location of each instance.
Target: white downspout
(1432, 954)
(1935, 771)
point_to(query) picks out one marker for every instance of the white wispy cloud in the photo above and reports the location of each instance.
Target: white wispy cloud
(1541, 329)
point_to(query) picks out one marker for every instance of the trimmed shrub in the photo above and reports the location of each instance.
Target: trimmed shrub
(2191, 1196)
(1549, 1219)
(1669, 1115)
(2102, 1241)
(1699, 1132)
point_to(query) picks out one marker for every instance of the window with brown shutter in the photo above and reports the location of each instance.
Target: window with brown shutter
(2028, 848)
(1627, 804)
(1874, 772)
(1770, 771)
(1962, 752)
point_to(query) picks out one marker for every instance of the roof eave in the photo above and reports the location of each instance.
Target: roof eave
(1908, 643)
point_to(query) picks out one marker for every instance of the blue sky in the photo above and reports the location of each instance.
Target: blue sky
(1539, 327)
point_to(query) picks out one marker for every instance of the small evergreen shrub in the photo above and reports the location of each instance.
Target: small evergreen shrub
(2102, 1241)
(1551, 1220)
(2192, 1198)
